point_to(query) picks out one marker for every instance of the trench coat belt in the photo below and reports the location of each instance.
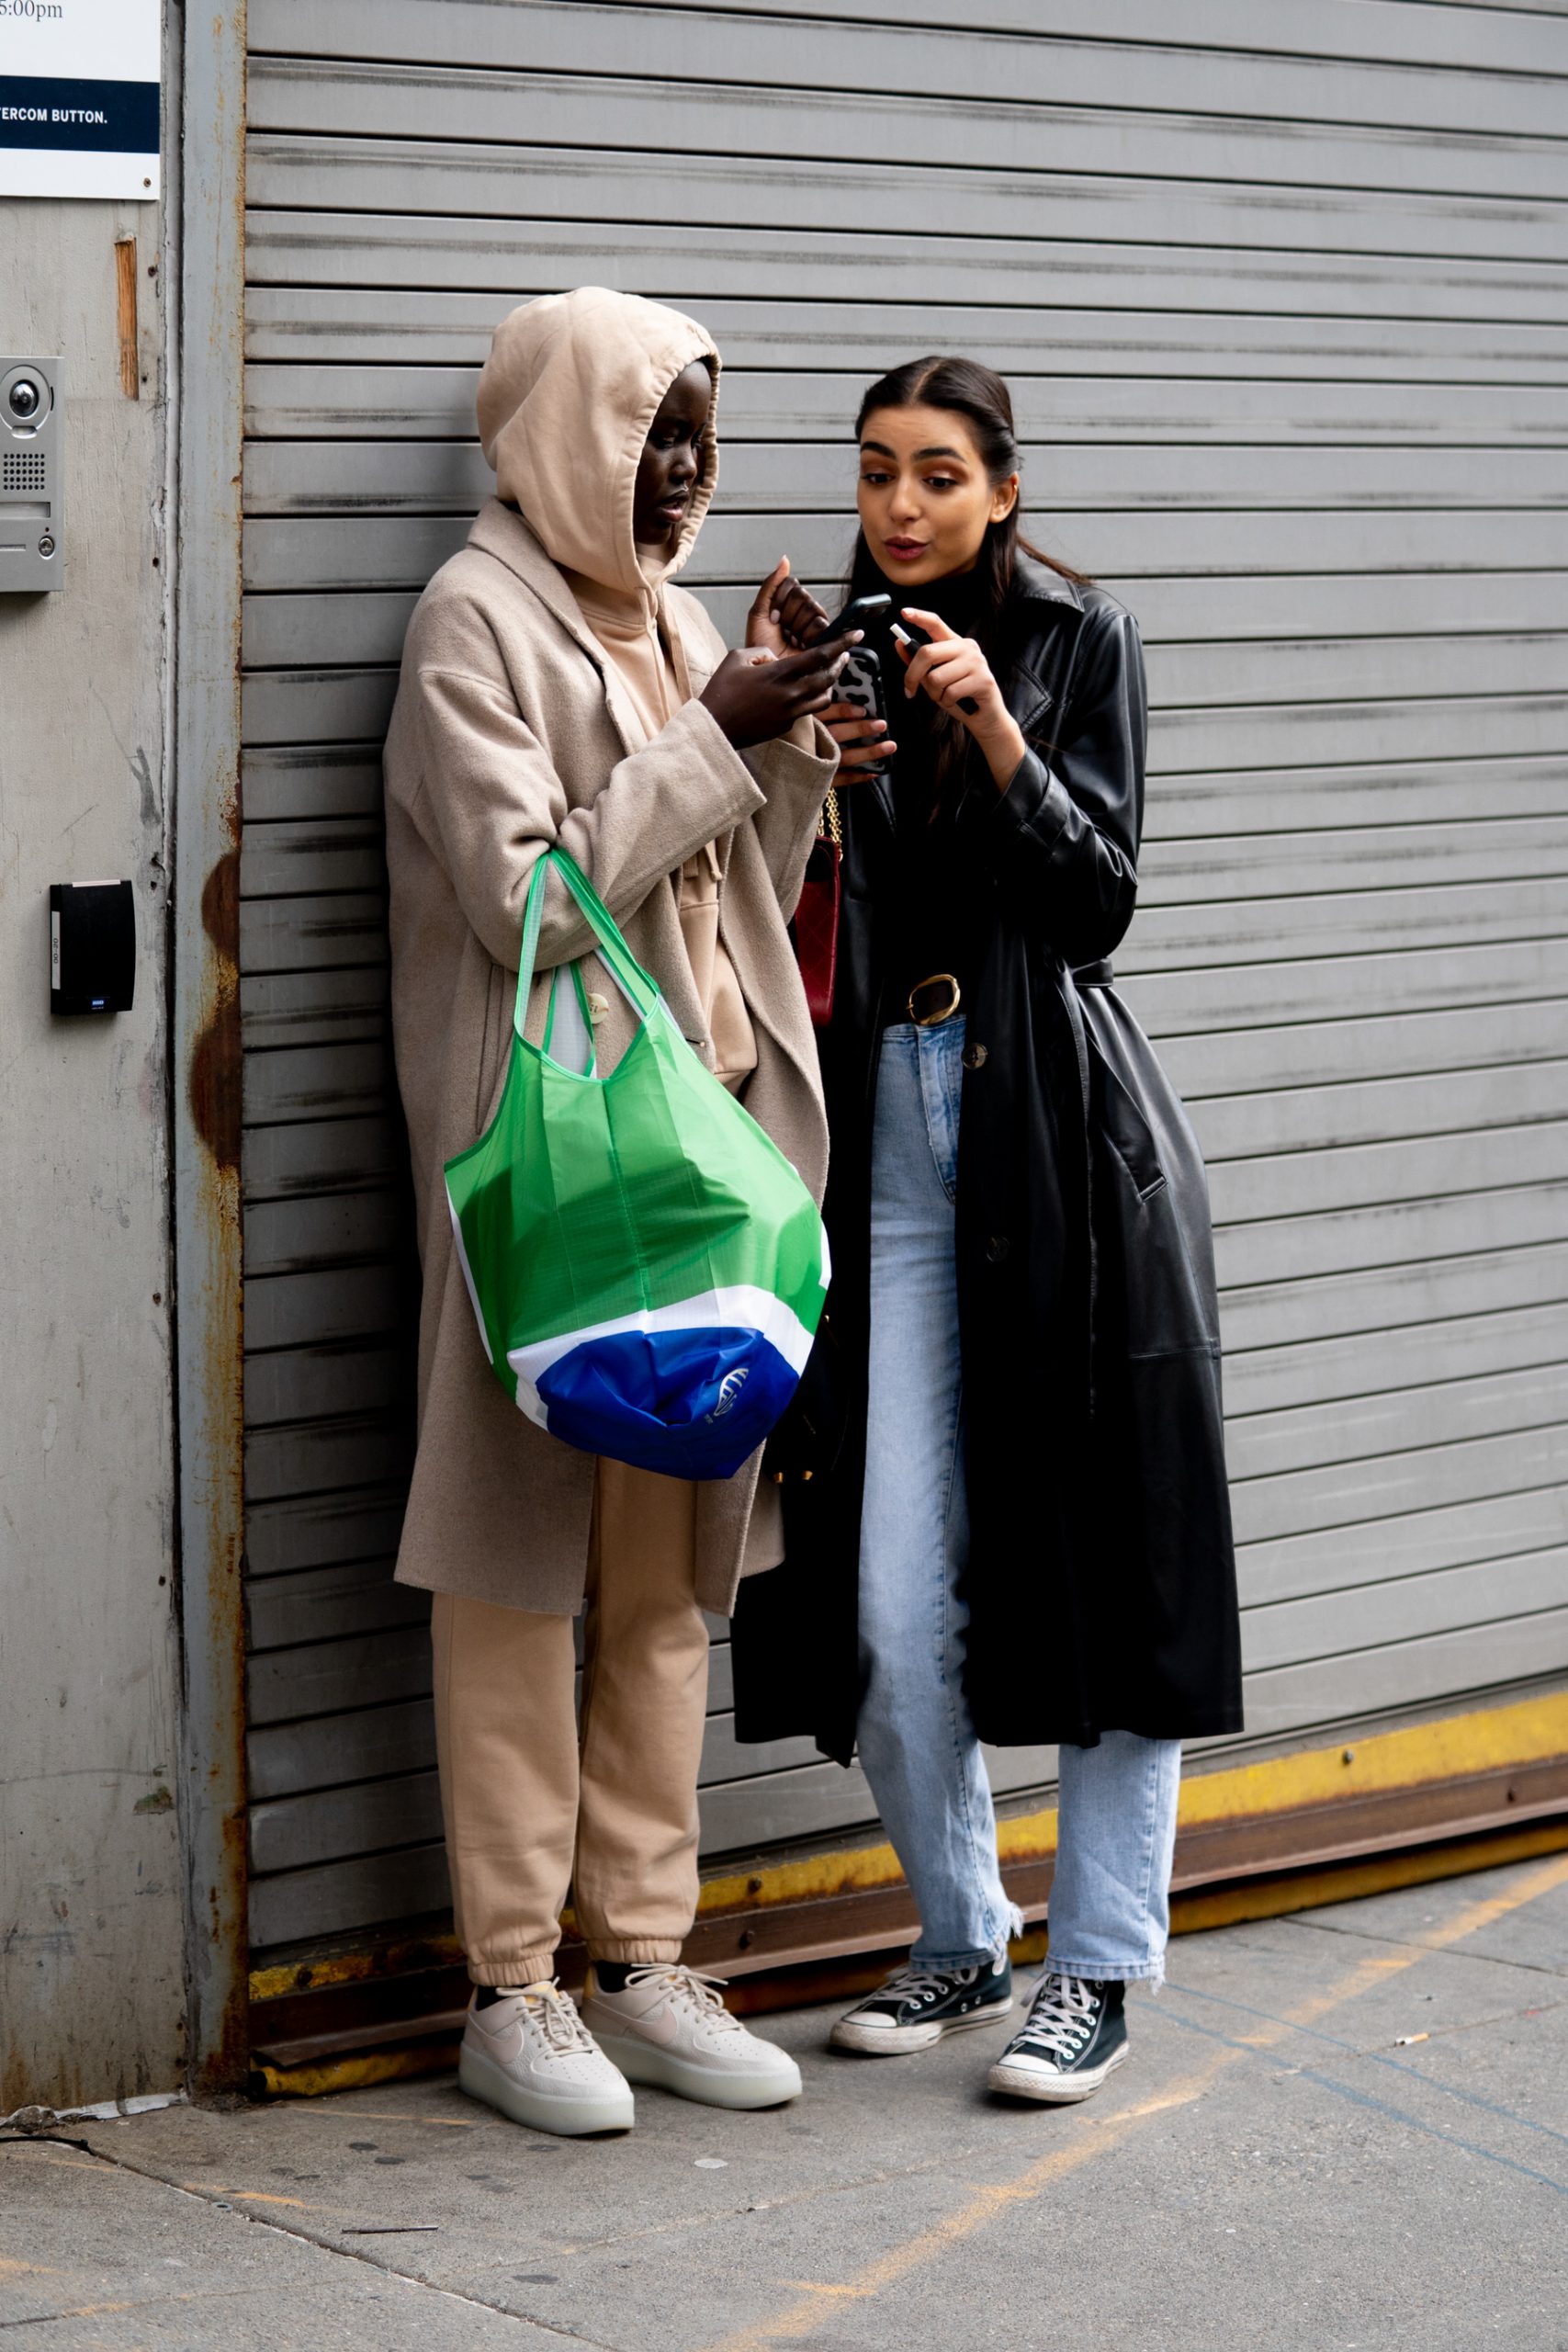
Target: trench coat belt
(1086, 976)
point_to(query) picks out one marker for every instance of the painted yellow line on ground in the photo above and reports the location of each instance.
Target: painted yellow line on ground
(251, 2196)
(985, 2201)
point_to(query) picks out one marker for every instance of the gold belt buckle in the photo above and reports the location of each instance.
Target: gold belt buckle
(935, 1020)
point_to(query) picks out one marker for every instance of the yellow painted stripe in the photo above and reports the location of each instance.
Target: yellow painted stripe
(354, 2074)
(1258, 1898)
(814, 2301)
(1489, 1739)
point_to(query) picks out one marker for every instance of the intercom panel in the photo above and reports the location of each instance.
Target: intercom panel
(31, 502)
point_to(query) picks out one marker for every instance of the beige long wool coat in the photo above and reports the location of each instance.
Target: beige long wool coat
(508, 736)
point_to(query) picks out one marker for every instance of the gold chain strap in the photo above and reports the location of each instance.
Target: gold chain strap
(830, 819)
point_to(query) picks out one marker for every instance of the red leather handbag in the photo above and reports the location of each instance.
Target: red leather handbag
(816, 916)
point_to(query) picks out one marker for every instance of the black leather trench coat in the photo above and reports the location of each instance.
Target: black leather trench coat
(1102, 1575)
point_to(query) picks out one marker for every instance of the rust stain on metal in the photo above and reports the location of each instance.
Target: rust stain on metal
(217, 1063)
(125, 304)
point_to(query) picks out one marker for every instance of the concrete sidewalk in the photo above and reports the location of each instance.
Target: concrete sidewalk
(1343, 2131)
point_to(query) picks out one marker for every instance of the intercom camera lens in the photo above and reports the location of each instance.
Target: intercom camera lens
(25, 399)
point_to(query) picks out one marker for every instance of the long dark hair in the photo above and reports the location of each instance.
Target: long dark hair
(979, 394)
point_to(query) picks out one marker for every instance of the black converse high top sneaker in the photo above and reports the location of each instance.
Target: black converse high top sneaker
(917, 2006)
(1075, 2036)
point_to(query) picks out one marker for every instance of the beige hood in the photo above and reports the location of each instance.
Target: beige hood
(573, 384)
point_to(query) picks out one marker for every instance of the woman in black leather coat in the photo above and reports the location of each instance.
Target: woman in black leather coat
(1018, 1527)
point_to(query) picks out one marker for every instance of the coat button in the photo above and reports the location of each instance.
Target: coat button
(975, 1056)
(997, 1248)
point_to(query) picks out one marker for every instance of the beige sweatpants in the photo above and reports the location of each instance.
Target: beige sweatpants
(533, 1804)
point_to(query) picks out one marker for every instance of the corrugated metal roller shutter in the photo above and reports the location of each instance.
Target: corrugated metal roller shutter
(1282, 303)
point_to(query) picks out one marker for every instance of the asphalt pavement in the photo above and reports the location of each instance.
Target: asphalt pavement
(1342, 2132)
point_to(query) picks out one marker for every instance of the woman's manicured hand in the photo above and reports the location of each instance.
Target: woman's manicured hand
(953, 669)
(756, 696)
(785, 616)
(863, 742)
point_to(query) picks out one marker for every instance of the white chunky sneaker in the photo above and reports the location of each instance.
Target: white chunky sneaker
(528, 2055)
(669, 2026)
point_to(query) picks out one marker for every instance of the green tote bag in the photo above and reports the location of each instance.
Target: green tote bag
(647, 1268)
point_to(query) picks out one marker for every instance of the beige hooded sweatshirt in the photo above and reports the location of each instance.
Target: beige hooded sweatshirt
(515, 727)
(566, 402)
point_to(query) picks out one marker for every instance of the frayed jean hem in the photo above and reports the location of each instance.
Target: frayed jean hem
(1108, 1971)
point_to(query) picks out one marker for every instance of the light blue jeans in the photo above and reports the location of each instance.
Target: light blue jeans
(1110, 1900)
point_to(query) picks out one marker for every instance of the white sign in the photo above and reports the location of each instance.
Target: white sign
(80, 98)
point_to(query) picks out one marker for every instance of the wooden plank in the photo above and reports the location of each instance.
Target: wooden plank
(340, 1303)
(1399, 1419)
(1269, 1381)
(324, 1604)
(333, 325)
(1381, 31)
(293, 1236)
(1288, 1315)
(1406, 1674)
(323, 1530)
(312, 933)
(514, 257)
(359, 398)
(1341, 987)
(307, 1457)
(561, 186)
(1417, 1542)
(1348, 1494)
(1403, 1609)
(596, 109)
(1291, 1250)
(294, 1383)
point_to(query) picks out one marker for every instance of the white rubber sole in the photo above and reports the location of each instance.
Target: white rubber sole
(902, 2041)
(643, 2062)
(1060, 2090)
(570, 2118)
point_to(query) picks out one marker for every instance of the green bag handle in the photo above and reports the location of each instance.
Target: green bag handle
(640, 991)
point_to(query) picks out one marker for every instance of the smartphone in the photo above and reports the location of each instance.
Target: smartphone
(859, 680)
(910, 633)
(860, 613)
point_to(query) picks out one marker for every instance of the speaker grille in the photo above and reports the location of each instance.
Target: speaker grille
(24, 470)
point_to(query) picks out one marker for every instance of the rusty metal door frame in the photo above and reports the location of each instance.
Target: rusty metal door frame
(206, 262)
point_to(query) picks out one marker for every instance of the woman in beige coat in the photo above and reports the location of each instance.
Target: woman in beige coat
(557, 690)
